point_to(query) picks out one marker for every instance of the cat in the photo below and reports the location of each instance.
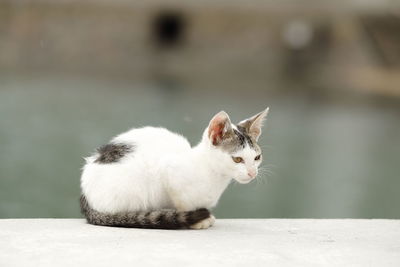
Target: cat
(152, 178)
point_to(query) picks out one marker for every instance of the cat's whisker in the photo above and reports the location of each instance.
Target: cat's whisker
(268, 168)
(268, 171)
(264, 174)
(261, 180)
(264, 179)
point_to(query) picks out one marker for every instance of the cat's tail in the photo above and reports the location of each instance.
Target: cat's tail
(158, 219)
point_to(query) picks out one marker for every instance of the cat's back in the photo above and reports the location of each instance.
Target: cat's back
(154, 139)
(132, 160)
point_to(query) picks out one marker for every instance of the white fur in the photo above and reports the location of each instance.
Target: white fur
(163, 171)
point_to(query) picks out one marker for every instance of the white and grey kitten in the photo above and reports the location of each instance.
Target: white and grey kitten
(152, 178)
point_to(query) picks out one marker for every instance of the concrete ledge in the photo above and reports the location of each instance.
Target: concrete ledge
(276, 242)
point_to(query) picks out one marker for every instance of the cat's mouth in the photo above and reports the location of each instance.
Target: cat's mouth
(245, 180)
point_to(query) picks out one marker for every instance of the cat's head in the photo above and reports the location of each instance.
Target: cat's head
(241, 155)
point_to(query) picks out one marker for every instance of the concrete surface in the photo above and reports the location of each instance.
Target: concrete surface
(251, 242)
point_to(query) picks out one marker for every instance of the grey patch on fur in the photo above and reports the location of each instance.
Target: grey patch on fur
(113, 152)
(243, 132)
(157, 219)
(238, 139)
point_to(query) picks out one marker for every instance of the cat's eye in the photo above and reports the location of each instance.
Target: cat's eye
(257, 157)
(238, 159)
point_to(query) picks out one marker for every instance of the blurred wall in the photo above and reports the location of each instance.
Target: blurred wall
(352, 43)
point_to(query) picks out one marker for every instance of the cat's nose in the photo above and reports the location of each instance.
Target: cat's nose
(252, 174)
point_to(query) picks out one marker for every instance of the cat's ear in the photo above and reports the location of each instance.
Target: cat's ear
(219, 128)
(254, 124)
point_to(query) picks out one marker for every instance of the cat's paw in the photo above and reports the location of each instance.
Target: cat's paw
(204, 224)
(212, 217)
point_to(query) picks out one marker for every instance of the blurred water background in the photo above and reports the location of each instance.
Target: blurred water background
(73, 74)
